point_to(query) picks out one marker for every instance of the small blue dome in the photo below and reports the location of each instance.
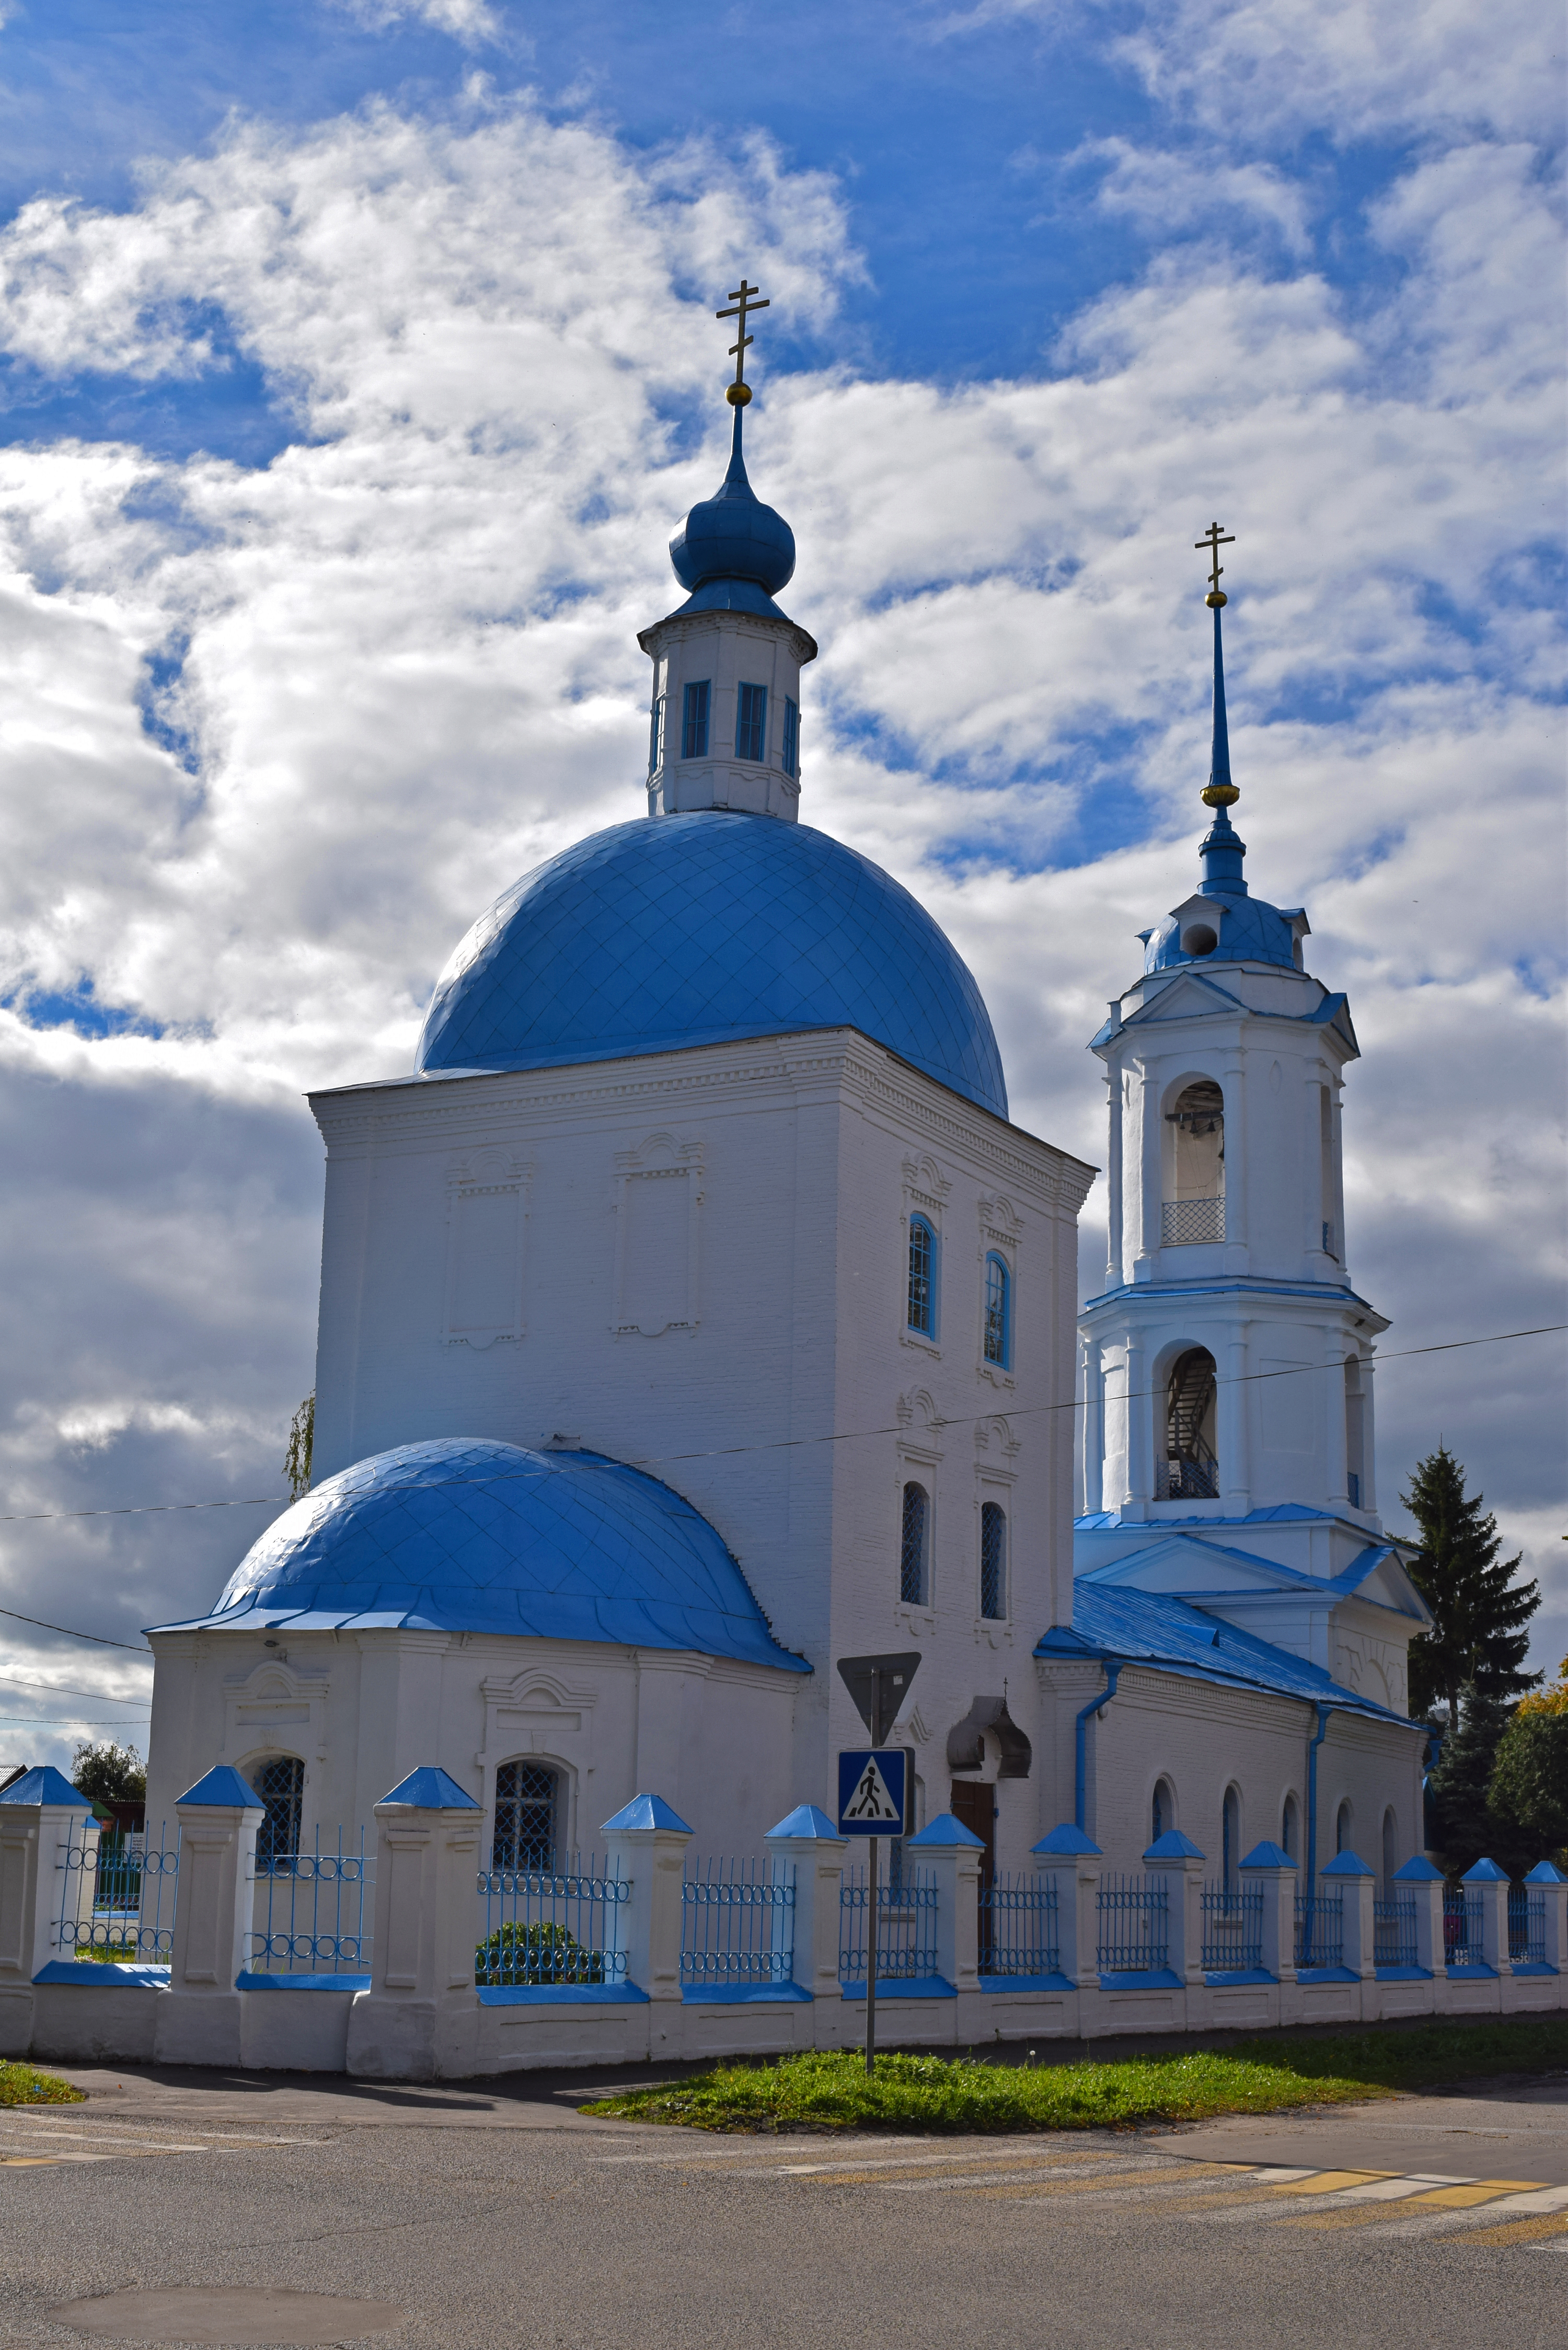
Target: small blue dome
(705, 930)
(467, 1536)
(733, 535)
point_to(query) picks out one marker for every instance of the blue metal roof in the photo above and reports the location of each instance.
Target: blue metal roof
(702, 929)
(467, 1536)
(1150, 1627)
(733, 535)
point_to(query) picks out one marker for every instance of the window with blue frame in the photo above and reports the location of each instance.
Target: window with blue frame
(998, 1312)
(914, 1546)
(694, 722)
(656, 734)
(922, 1304)
(992, 1560)
(752, 722)
(791, 738)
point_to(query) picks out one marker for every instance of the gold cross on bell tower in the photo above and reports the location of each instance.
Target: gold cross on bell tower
(744, 298)
(1214, 539)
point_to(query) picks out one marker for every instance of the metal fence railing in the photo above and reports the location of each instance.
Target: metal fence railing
(1463, 1942)
(906, 1926)
(1526, 1926)
(310, 1915)
(1018, 1929)
(545, 1926)
(118, 1898)
(1183, 1221)
(737, 1922)
(1134, 1920)
(1320, 1929)
(1232, 1929)
(1394, 1932)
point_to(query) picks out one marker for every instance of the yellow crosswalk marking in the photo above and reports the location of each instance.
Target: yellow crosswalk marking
(1520, 2231)
(1482, 2190)
(1325, 2182)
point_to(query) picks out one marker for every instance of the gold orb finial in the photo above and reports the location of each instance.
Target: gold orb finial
(1220, 795)
(1215, 598)
(745, 299)
(737, 394)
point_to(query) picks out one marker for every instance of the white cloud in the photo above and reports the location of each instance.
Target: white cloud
(1159, 190)
(401, 668)
(472, 22)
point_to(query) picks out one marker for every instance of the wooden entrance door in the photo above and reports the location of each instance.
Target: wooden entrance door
(974, 1807)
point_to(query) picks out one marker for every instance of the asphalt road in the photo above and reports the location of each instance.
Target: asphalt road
(189, 2207)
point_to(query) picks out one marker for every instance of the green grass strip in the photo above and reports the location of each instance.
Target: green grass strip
(827, 2089)
(22, 2085)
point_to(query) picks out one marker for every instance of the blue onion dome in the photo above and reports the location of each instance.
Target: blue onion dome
(733, 535)
(707, 929)
(467, 1536)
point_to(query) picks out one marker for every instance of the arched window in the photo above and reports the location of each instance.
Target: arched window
(1341, 1828)
(1229, 1838)
(527, 1817)
(1192, 1471)
(998, 1312)
(1291, 1828)
(280, 1783)
(1390, 1852)
(992, 1560)
(914, 1548)
(1193, 1209)
(922, 1305)
(1354, 1433)
(1163, 1817)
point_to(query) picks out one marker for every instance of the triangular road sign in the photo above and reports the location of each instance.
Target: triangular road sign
(871, 1799)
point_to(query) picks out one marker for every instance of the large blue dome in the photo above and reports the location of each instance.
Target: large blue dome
(467, 1536)
(700, 929)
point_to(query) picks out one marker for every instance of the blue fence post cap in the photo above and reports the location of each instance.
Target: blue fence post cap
(45, 1784)
(1066, 1841)
(642, 1813)
(1545, 1873)
(1348, 1863)
(1485, 1872)
(807, 1822)
(1173, 1845)
(429, 1789)
(1420, 1871)
(1267, 1855)
(222, 1789)
(945, 1830)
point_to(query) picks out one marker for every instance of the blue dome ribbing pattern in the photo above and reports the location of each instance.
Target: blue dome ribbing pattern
(464, 1535)
(703, 930)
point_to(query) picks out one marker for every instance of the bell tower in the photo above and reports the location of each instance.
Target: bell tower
(1226, 1368)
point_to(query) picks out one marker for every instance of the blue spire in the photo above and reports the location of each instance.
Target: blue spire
(1223, 847)
(732, 537)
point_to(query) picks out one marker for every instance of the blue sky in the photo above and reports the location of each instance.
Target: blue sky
(355, 362)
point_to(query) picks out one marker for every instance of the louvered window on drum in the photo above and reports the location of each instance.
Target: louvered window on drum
(914, 1550)
(752, 722)
(791, 737)
(694, 722)
(656, 734)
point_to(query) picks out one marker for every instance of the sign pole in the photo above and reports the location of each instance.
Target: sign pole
(871, 1962)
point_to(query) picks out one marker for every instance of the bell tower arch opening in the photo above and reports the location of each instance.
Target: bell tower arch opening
(1191, 1459)
(1192, 1205)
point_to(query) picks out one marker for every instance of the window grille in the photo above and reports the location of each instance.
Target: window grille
(694, 722)
(656, 734)
(541, 1926)
(1526, 1926)
(1184, 1223)
(1394, 1932)
(527, 1824)
(752, 722)
(923, 1301)
(1018, 1929)
(791, 738)
(1134, 1917)
(992, 1560)
(998, 1314)
(737, 1922)
(1320, 1929)
(914, 1546)
(906, 1926)
(1232, 1929)
(280, 1783)
(118, 1894)
(313, 1920)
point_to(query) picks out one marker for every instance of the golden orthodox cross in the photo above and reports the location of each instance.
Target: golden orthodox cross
(744, 298)
(1214, 539)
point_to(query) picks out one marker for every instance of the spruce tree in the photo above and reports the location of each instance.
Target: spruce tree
(1481, 1616)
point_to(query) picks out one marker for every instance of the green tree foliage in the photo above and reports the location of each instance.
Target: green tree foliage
(110, 1774)
(1481, 1616)
(1529, 1787)
(1464, 1828)
(301, 1444)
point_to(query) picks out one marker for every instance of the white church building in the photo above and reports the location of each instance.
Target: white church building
(695, 1314)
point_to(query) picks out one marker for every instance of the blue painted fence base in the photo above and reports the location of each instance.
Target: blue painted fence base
(1152, 1979)
(741, 1994)
(560, 1995)
(92, 1975)
(1228, 1977)
(898, 1987)
(1018, 1983)
(1328, 1974)
(251, 1979)
(1403, 1975)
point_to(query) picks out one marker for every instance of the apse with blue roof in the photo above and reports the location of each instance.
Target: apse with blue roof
(1226, 1366)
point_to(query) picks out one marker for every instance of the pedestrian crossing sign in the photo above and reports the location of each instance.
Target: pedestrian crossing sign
(876, 1786)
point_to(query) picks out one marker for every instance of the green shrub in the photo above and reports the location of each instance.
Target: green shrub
(539, 1953)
